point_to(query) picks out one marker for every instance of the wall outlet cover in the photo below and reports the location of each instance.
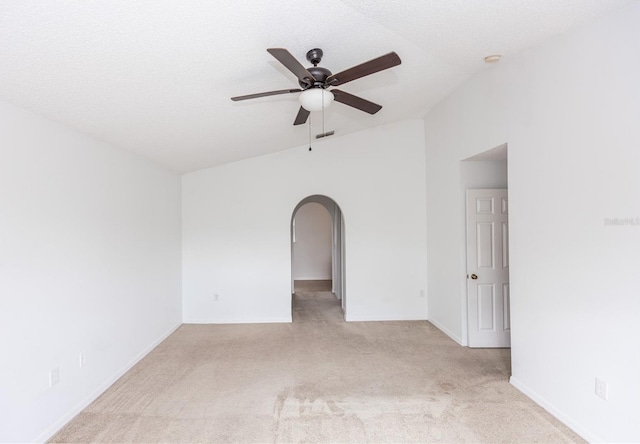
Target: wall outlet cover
(602, 389)
(54, 377)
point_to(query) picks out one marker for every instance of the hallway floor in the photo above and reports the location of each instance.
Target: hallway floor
(314, 302)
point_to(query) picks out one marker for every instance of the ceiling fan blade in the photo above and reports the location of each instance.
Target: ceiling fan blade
(290, 62)
(355, 101)
(265, 94)
(364, 69)
(302, 116)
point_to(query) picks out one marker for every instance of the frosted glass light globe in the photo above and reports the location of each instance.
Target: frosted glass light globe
(315, 99)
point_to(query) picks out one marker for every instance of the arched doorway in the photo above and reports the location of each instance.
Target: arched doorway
(317, 246)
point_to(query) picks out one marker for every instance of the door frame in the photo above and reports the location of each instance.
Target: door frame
(472, 177)
(338, 265)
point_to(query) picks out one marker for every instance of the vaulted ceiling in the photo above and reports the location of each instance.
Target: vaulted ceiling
(155, 77)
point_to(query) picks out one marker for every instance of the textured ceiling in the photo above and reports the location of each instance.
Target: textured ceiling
(155, 77)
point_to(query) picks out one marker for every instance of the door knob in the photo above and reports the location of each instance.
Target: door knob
(474, 276)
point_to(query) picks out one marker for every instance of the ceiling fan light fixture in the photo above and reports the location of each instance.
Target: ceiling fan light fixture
(316, 99)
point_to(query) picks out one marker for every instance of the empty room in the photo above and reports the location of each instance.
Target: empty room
(337, 221)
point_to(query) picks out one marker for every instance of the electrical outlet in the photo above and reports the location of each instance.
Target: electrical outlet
(216, 297)
(54, 377)
(602, 389)
(421, 293)
(82, 360)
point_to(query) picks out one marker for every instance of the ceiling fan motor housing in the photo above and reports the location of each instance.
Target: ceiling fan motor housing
(320, 74)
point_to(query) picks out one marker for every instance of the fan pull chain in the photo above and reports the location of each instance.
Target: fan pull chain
(309, 131)
(323, 112)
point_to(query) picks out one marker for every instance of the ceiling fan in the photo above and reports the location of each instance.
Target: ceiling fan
(315, 81)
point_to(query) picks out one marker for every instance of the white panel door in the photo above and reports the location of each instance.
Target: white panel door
(488, 268)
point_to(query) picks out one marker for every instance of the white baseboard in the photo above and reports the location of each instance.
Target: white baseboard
(60, 423)
(384, 318)
(559, 414)
(239, 321)
(446, 331)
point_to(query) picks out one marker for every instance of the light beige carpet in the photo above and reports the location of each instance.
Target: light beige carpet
(318, 379)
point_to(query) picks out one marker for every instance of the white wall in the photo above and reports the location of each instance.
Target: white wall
(236, 227)
(312, 246)
(89, 263)
(569, 111)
